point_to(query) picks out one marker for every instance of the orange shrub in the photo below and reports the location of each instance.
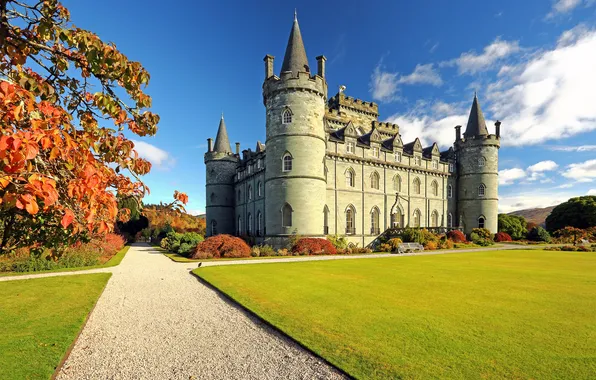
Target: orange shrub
(502, 236)
(457, 236)
(430, 245)
(221, 246)
(314, 246)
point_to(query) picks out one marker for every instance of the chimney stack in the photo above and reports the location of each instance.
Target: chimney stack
(457, 132)
(238, 149)
(321, 65)
(209, 144)
(268, 66)
(498, 129)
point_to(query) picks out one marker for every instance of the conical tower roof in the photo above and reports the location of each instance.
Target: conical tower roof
(222, 143)
(476, 124)
(295, 59)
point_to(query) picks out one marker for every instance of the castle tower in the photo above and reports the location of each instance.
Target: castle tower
(220, 170)
(478, 167)
(296, 140)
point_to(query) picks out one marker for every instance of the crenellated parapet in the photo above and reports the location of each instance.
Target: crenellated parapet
(478, 141)
(386, 127)
(288, 81)
(341, 101)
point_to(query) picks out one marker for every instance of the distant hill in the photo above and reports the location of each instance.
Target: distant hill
(535, 215)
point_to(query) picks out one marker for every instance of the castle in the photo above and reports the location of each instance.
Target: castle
(330, 167)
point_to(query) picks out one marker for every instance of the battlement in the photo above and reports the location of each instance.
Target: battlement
(386, 127)
(288, 82)
(220, 156)
(341, 100)
(488, 140)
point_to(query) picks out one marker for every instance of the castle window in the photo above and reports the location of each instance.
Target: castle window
(435, 188)
(350, 219)
(481, 190)
(434, 219)
(213, 227)
(212, 197)
(287, 162)
(238, 175)
(350, 147)
(260, 189)
(397, 156)
(397, 183)
(435, 164)
(481, 222)
(450, 220)
(249, 225)
(481, 162)
(326, 220)
(350, 178)
(239, 226)
(259, 163)
(374, 181)
(259, 223)
(416, 186)
(417, 218)
(417, 161)
(449, 191)
(287, 116)
(375, 152)
(374, 221)
(249, 192)
(249, 169)
(286, 215)
(451, 168)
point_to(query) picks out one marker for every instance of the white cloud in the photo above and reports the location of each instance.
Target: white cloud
(384, 85)
(532, 199)
(195, 212)
(581, 172)
(580, 148)
(158, 157)
(563, 6)
(543, 166)
(509, 176)
(472, 63)
(592, 192)
(565, 186)
(570, 36)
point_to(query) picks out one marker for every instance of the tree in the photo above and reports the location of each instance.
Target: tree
(61, 166)
(539, 234)
(513, 225)
(571, 234)
(579, 212)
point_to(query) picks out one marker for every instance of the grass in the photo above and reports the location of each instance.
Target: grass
(40, 319)
(496, 314)
(112, 262)
(181, 259)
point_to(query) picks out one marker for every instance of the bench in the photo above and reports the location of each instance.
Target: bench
(409, 247)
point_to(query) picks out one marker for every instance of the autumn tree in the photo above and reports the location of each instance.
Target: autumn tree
(579, 212)
(66, 99)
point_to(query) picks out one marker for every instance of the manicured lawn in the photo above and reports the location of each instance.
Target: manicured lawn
(181, 259)
(115, 260)
(499, 314)
(40, 319)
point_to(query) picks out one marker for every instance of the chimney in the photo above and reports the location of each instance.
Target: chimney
(498, 129)
(268, 66)
(457, 132)
(209, 144)
(238, 149)
(321, 66)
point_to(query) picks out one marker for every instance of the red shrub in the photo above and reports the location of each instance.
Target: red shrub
(314, 246)
(221, 246)
(502, 236)
(457, 236)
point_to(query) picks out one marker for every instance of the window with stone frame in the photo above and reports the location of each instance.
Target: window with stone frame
(287, 162)
(416, 186)
(434, 219)
(397, 183)
(397, 156)
(375, 152)
(259, 223)
(287, 116)
(350, 147)
(350, 178)
(249, 224)
(449, 191)
(434, 188)
(239, 225)
(417, 161)
(286, 215)
(259, 163)
(481, 162)
(213, 227)
(249, 192)
(374, 181)
(450, 220)
(350, 221)
(374, 221)
(481, 222)
(260, 189)
(249, 167)
(451, 167)
(416, 220)
(435, 165)
(481, 190)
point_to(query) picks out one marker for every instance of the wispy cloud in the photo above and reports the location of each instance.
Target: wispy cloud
(564, 6)
(384, 85)
(580, 148)
(592, 192)
(581, 172)
(509, 176)
(159, 158)
(472, 62)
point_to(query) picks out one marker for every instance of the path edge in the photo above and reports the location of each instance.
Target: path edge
(269, 324)
(74, 342)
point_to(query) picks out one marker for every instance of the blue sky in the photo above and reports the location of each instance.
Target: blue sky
(533, 64)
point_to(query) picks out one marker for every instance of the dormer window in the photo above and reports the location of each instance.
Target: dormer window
(350, 147)
(435, 164)
(397, 156)
(286, 116)
(375, 152)
(417, 161)
(451, 167)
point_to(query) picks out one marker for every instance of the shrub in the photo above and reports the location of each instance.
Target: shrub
(445, 243)
(221, 246)
(502, 236)
(164, 243)
(539, 234)
(553, 248)
(281, 252)
(481, 236)
(411, 235)
(430, 245)
(339, 242)
(385, 248)
(456, 236)
(357, 249)
(394, 243)
(314, 246)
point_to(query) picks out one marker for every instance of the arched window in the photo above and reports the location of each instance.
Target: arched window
(481, 222)
(450, 220)
(249, 192)
(374, 221)
(212, 197)
(260, 189)
(239, 225)
(350, 220)
(326, 220)
(461, 221)
(481, 161)
(434, 219)
(350, 178)
(416, 186)
(435, 164)
(287, 162)
(213, 227)
(259, 223)
(374, 181)
(249, 225)
(397, 183)
(481, 190)
(449, 191)
(396, 219)
(417, 216)
(286, 216)
(287, 116)
(435, 188)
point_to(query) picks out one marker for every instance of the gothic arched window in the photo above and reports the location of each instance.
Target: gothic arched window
(249, 225)
(259, 223)
(286, 117)
(350, 178)
(260, 189)
(239, 225)
(213, 227)
(449, 191)
(435, 188)
(249, 192)
(434, 219)
(417, 216)
(450, 220)
(374, 221)
(350, 220)
(397, 183)
(481, 161)
(481, 222)
(481, 190)
(374, 181)
(287, 162)
(286, 215)
(416, 186)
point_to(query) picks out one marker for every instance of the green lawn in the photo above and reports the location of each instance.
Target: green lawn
(499, 314)
(181, 259)
(40, 319)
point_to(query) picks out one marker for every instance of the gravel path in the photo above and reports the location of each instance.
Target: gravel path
(155, 321)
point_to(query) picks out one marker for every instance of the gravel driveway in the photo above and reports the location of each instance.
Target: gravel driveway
(155, 321)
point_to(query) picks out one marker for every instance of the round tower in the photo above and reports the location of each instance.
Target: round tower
(478, 173)
(220, 170)
(296, 141)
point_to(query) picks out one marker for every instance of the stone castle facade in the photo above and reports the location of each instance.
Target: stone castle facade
(330, 167)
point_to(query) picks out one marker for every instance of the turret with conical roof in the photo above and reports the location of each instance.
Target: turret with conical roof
(295, 59)
(477, 172)
(221, 168)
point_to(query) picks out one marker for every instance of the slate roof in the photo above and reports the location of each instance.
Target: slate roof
(476, 124)
(409, 147)
(295, 59)
(222, 142)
